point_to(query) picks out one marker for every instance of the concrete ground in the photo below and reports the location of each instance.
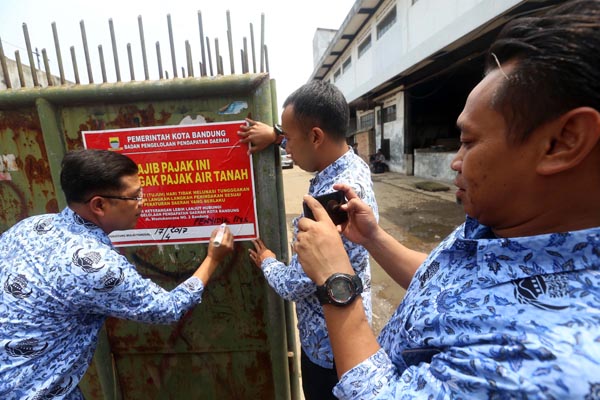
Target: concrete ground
(417, 218)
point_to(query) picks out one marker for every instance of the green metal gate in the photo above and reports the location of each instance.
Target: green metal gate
(237, 344)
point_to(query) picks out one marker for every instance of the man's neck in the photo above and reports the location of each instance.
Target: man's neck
(331, 152)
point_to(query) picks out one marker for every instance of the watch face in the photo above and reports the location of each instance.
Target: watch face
(341, 290)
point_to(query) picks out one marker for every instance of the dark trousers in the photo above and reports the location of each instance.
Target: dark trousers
(317, 382)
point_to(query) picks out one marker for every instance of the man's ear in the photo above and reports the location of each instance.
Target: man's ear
(97, 206)
(574, 135)
(317, 135)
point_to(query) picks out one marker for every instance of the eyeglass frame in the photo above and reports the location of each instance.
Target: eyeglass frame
(106, 196)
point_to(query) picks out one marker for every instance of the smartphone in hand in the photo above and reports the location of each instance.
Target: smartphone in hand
(331, 202)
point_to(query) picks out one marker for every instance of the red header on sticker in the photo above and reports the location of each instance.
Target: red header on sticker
(194, 178)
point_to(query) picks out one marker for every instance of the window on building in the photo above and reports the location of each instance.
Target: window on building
(386, 23)
(364, 46)
(336, 74)
(367, 121)
(389, 113)
(346, 65)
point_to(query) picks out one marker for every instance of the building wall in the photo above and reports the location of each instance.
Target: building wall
(420, 30)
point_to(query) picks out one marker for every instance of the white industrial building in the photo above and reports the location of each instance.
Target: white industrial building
(406, 68)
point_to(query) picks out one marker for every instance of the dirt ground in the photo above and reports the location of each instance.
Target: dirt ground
(418, 219)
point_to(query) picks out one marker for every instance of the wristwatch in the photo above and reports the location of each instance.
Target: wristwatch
(340, 289)
(278, 133)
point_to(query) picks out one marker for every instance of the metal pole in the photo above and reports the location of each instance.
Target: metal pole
(20, 68)
(252, 46)
(130, 58)
(114, 47)
(74, 61)
(30, 55)
(262, 42)
(209, 56)
(47, 68)
(172, 46)
(58, 55)
(230, 42)
(102, 65)
(159, 60)
(143, 44)
(4, 67)
(202, 50)
(86, 52)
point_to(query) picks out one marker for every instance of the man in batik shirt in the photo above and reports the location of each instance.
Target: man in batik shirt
(508, 306)
(314, 123)
(61, 277)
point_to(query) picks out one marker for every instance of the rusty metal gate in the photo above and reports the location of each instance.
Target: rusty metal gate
(239, 343)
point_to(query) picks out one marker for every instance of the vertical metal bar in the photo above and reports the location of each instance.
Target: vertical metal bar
(58, 55)
(266, 59)
(4, 67)
(221, 69)
(182, 72)
(172, 46)
(102, 65)
(30, 55)
(20, 68)
(252, 46)
(47, 68)
(54, 143)
(242, 58)
(202, 50)
(262, 42)
(130, 58)
(230, 43)
(159, 60)
(74, 61)
(217, 57)
(245, 56)
(209, 57)
(114, 48)
(86, 52)
(188, 55)
(143, 44)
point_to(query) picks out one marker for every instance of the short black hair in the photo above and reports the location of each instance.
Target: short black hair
(557, 65)
(321, 104)
(85, 172)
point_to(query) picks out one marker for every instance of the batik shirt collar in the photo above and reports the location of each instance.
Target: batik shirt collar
(332, 171)
(498, 258)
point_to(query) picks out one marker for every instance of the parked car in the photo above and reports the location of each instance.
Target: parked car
(286, 160)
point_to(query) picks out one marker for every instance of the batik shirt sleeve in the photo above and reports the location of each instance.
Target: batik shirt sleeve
(493, 318)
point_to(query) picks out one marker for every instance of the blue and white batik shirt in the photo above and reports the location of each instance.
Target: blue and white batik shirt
(290, 281)
(492, 318)
(60, 278)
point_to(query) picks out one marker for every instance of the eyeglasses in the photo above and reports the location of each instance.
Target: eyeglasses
(138, 198)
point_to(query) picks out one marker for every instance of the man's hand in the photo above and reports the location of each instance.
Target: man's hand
(215, 255)
(260, 252)
(258, 134)
(362, 225)
(226, 246)
(319, 245)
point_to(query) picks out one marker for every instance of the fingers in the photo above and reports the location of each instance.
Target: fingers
(348, 191)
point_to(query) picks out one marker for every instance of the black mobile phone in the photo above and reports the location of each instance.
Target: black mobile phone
(331, 202)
